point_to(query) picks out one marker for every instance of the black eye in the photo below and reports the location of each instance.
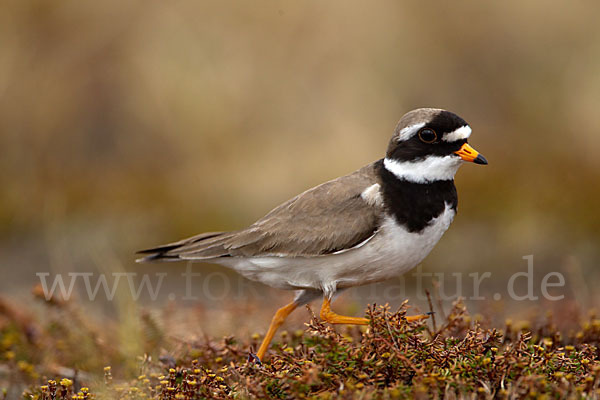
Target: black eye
(427, 135)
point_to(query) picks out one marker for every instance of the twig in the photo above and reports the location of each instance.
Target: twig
(431, 310)
(436, 294)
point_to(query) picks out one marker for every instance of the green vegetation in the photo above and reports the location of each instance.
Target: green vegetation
(63, 355)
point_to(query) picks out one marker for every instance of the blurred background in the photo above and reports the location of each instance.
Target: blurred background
(124, 125)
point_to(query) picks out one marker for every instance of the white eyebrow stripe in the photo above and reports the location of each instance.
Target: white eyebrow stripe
(409, 131)
(459, 134)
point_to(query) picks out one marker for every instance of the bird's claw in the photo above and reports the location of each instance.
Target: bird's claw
(254, 358)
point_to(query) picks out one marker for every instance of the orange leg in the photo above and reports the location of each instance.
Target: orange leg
(276, 322)
(329, 316)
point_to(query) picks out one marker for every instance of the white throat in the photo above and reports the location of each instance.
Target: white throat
(430, 169)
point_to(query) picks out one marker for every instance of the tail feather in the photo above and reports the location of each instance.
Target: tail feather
(158, 257)
(174, 251)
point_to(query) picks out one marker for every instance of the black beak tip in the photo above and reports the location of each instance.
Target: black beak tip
(480, 160)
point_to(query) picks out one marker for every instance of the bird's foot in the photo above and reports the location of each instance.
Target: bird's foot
(331, 317)
(254, 358)
(420, 317)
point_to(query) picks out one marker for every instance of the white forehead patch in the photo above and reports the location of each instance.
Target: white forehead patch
(459, 134)
(409, 131)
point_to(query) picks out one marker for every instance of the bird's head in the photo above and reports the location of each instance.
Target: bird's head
(430, 144)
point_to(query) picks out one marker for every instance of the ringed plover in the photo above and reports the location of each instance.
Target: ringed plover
(371, 225)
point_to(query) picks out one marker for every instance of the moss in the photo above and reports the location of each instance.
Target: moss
(392, 358)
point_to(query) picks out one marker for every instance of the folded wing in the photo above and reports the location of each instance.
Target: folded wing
(328, 218)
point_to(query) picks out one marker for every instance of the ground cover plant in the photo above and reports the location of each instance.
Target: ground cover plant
(63, 354)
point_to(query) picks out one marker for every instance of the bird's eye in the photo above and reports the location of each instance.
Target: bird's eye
(427, 135)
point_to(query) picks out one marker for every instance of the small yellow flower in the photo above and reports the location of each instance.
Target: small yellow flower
(66, 382)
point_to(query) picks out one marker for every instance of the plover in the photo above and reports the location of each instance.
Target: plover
(371, 225)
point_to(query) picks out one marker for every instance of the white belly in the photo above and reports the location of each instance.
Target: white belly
(390, 252)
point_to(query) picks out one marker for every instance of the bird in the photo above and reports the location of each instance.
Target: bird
(369, 226)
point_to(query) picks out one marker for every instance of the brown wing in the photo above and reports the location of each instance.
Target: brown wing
(325, 219)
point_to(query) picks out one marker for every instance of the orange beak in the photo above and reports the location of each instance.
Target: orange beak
(467, 153)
